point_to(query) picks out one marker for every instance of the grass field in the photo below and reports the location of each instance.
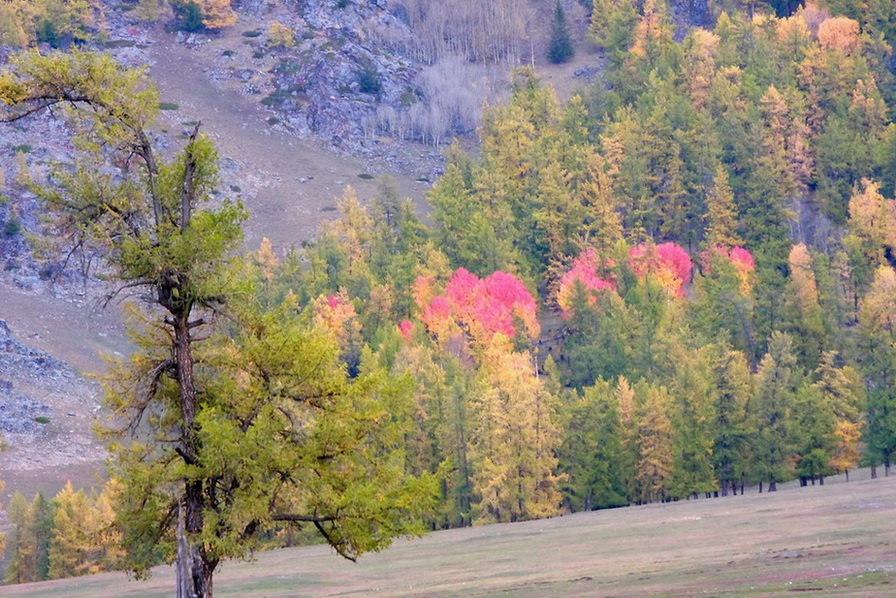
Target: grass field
(833, 540)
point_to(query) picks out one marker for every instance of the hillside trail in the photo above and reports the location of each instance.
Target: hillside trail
(289, 185)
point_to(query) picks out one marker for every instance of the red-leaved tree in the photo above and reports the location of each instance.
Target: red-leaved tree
(584, 273)
(482, 308)
(668, 263)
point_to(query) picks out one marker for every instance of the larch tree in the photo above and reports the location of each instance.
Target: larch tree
(730, 429)
(218, 456)
(22, 564)
(877, 349)
(515, 439)
(773, 411)
(71, 544)
(721, 212)
(655, 448)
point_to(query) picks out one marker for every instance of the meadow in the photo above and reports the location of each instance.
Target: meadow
(831, 540)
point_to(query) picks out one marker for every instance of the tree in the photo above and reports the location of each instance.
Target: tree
(721, 213)
(777, 383)
(560, 47)
(208, 471)
(70, 547)
(877, 324)
(591, 454)
(22, 565)
(655, 447)
(515, 440)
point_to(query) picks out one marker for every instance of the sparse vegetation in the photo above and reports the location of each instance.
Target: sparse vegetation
(368, 79)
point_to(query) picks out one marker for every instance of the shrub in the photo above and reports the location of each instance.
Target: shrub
(369, 80)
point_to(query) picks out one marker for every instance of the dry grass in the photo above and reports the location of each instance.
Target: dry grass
(832, 540)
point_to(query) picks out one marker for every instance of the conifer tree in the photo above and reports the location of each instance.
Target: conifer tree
(22, 564)
(70, 547)
(773, 413)
(591, 454)
(654, 471)
(877, 350)
(560, 46)
(721, 212)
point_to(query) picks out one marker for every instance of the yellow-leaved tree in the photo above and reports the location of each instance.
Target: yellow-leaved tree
(515, 439)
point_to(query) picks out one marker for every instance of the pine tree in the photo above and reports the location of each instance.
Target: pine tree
(560, 47)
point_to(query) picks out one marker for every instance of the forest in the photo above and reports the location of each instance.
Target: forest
(678, 284)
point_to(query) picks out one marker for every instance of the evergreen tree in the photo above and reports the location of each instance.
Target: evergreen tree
(773, 412)
(591, 454)
(560, 47)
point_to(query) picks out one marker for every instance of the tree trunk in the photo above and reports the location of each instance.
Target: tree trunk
(874, 472)
(195, 565)
(846, 471)
(772, 486)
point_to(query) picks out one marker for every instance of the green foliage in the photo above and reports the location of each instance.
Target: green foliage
(332, 444)
(369, 81)
(189, 16)
(560, 48)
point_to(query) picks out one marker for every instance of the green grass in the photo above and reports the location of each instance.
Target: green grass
(832, 540)
(42, 420)
(168, 106)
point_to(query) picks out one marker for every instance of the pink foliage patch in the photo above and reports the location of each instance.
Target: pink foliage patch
(405, 327)
(485, 307)
(669, 262)
(742, 259)
(583, 272)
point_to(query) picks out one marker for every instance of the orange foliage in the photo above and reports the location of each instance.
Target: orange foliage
(838, 32)
(217, 14)
(803, 277)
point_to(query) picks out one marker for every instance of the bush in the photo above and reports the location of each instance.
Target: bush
(11, 228)
(189, 17)
(369, 81)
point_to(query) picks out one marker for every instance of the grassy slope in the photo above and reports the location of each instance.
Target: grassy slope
(832, 540)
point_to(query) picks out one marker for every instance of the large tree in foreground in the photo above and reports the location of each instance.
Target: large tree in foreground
(217, 443)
